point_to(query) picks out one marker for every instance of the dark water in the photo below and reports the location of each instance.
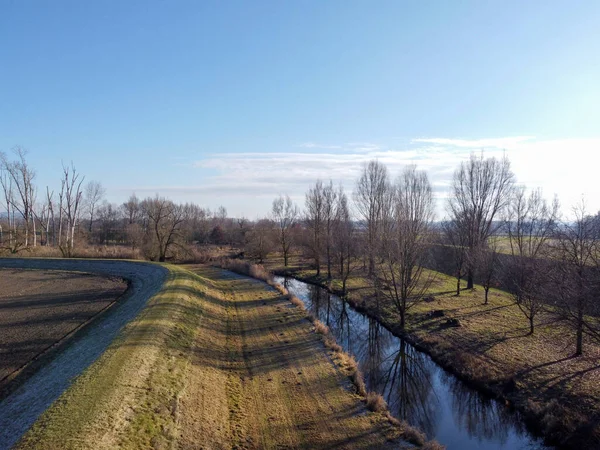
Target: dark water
(416, 388)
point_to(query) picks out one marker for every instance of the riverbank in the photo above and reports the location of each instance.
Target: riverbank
(492, 351)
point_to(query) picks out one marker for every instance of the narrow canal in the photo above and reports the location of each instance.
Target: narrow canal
(414, 386)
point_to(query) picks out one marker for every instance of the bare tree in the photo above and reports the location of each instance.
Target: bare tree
(530, 223)
(577, 248)
(285, 215)
(204, 216)
(165, 219)
(330, 197)
(46, 217)
(456, 237)
(132, 209)
(70, 199)
(315, 204)
(94, 191)
(221, 214)
(108, 224)
(480, 191)
(488, 263)
(260, 240)
(406, 242)
(8, 194)
(344, 243)
(23, 190)
(51, 216)
(370, 197)
(239, 234)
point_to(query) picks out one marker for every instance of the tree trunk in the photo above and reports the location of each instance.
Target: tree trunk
(285, 258)
(531, 324)
(487, 290)
(73, 236)
(60, 232)
(458, 286)
(579, 347)
(470, 279)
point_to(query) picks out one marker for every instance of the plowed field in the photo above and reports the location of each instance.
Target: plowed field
(39, 309)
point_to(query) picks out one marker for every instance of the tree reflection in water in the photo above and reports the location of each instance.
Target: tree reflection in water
(390, 366)
(407, 387)
(415, 388)
(482, 417)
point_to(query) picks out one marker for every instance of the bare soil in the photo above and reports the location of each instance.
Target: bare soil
(40, 308)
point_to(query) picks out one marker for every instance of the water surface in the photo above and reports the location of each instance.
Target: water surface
(414, 386)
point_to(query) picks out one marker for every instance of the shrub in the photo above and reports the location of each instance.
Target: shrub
(245, 268)
(320, 327)
(297, 302)
(375, 402)
(282, 290)
(259, 272)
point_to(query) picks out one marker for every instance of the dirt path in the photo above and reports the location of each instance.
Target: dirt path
(260, 378)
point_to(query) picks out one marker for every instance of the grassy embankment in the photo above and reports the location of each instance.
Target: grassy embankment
(492, 349)
(215, 361)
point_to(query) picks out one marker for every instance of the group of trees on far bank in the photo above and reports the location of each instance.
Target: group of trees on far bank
(496, 233)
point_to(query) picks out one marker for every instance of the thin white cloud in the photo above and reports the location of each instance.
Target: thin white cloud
(315, 145)
(567, 167)
(363, 146)
(477, 143)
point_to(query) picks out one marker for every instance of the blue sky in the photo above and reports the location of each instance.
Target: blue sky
(235, 102)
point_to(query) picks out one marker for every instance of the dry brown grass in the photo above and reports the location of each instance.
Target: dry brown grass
(332, 345)
(345, 361)
(432, 445)
(375, 402)
(275, 366)
(107, 251)
(81, 251)
(297, 302)
(320, 327)
(245, 268)
(412, 434)
(282, 290)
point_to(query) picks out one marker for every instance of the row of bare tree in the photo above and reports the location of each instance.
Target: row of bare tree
(55, 220)
(78, 215)
(517, 240)
(497, 233)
